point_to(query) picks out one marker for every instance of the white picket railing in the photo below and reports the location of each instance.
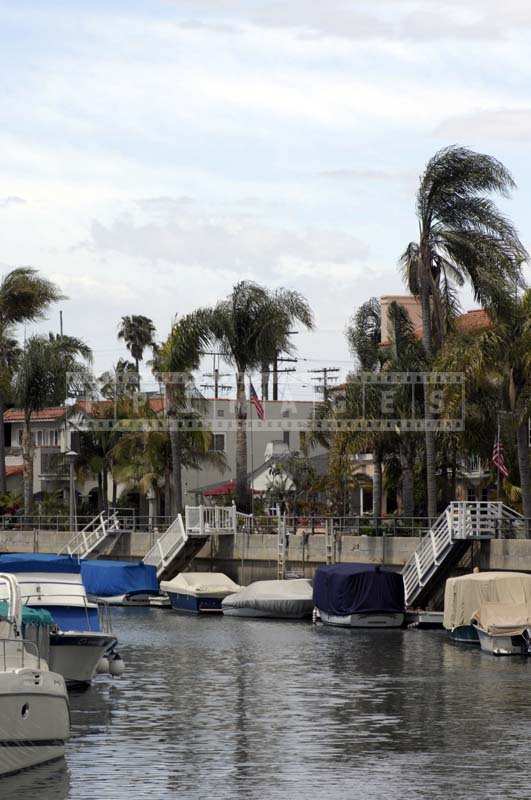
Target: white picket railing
(460, 522)
(92, 535)
(167, 546)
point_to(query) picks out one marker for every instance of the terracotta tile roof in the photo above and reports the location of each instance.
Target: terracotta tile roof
(45, 415)
(478, 319)
(18, 469)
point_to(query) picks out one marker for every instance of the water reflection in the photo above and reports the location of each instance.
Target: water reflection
(234, 708)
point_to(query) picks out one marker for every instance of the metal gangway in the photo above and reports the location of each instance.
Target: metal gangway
(181, 542)
(93, 535)
(448, 540)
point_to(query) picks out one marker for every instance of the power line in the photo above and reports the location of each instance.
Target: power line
(323, 376)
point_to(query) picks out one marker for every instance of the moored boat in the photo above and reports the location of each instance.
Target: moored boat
(465, 594)
(199, 592)
(504, 629)
(34, 711)
(283, 599)
(81, 641)
(359, 596)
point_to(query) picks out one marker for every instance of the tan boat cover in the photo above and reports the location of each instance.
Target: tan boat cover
(201, 584)
(503, 619)
(465, 595)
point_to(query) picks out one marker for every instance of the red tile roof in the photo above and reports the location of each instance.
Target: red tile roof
(45, 415)
(18, 469)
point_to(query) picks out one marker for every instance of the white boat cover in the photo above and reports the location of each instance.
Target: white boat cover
(503, 619)
(200, 584)
(277, 598)
(465, 595)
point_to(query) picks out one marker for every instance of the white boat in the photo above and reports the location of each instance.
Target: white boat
(34, 712)
(464, 595)
(288, 599)
(81, 643)
(199, 592)
(359, 596)
(504, 629)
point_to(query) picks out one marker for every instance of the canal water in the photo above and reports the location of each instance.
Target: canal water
(225, 708)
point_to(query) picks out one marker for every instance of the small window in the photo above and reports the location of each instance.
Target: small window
(220, 412)
(285, 437)
(39, 438)
(217, 443)
(285, 414)
(20, 437)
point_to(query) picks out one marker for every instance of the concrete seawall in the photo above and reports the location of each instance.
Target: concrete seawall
(255, 557)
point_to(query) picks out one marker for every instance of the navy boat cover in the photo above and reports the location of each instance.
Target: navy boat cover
(38, 562)
(112, 578)
(343, 589)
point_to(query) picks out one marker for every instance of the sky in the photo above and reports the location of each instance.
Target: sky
(155, 152)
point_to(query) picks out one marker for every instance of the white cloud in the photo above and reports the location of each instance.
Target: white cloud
(503, 123)
(11, 200)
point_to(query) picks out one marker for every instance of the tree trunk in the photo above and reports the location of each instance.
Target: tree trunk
(522, 442)
(167, 492)
(265, 381)
(176, 471)
(3, 482)
(408, 499)
(27, 457)
(100, 492)
(114, 492)
(242, 486)
(431, 480)
(105, 488)
(377, 486)
(275, 378)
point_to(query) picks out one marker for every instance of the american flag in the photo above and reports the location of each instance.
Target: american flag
(498, 459)
(257, 403)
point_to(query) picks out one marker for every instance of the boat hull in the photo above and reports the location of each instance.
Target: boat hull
(465, 634)
(503, 645)
(257, 613)
(75, 655)
(35, 719)
(192, 604)
(382, 620)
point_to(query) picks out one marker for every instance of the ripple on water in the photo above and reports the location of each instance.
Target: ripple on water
(233, 708)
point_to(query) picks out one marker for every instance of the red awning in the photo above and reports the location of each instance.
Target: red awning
(223, 488)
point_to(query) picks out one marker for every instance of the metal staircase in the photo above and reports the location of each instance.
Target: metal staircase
(448, 540)
(93, 535)
(182, 541)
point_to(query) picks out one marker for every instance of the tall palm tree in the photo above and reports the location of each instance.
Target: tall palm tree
(250, 326)
(138, 332)
(174, 362)
(48, 370)
(462, 237)
(24, 297)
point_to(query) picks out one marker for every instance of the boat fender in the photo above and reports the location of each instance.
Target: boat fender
(315, 615)
(102, 666)
(116, 666)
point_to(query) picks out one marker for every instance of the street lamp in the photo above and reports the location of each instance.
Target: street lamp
(71, 456)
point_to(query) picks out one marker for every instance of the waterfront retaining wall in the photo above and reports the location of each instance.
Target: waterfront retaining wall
(255, 557)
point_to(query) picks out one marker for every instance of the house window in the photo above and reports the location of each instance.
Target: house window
(285, 414)
(285, 437)
(20, 437)
(220, 412)
(56, 438)
(39, 438)
(217, 443)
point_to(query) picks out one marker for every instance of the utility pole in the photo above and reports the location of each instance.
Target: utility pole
(323, 376)
(276, 370)
(216, 375)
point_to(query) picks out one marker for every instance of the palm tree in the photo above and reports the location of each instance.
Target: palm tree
(174, 362)
(462, 236)
(138, 332)
(250, 326)
(48, 371)
(24, 297)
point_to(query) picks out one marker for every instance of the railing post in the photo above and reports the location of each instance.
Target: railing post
(201, 520)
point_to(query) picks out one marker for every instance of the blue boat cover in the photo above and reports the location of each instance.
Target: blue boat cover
(38, 562)
(111, 578)
(343, 589)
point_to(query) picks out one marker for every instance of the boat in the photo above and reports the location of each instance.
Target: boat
(504, 629)
(464, 595)
(199, 592)
(34, 711)
(81, 641)
(282, 599)
(359, 596)
(120, 583)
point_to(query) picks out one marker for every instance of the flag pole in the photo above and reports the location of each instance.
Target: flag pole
(252, 460)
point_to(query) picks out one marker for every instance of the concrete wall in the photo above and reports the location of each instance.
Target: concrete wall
(255, 557)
